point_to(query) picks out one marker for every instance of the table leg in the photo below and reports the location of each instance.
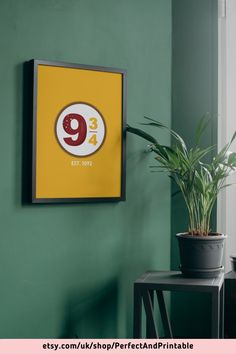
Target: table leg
(222, 315)
(148, 325)
(137, 324)
(215, 316)
(152, 329)
(164, 315)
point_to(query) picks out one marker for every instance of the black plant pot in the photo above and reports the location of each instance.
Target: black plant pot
(201, 256)
(233, 262)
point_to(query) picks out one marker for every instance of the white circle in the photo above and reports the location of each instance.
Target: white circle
(95, 128)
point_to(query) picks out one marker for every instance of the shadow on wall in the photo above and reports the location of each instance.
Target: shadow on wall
(27, 132)
(92, 316)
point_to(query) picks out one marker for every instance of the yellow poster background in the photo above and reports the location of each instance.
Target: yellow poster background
(59, 174)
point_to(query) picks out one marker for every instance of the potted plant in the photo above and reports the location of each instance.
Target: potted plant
(199, 181)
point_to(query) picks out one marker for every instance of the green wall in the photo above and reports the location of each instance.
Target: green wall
(194, 93)
(67, 270)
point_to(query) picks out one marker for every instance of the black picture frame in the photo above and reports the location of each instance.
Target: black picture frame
(34, 64)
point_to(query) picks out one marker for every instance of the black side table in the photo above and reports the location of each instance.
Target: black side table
(151, 282)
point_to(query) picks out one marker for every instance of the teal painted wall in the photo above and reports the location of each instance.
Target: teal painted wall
(67, 270)
(194, 92)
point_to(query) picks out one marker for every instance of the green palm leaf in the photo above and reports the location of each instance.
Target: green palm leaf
(199, 182)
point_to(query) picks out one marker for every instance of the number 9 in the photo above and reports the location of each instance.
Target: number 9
(81, 129)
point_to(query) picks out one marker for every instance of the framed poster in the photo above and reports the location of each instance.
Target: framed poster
(78, 133)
